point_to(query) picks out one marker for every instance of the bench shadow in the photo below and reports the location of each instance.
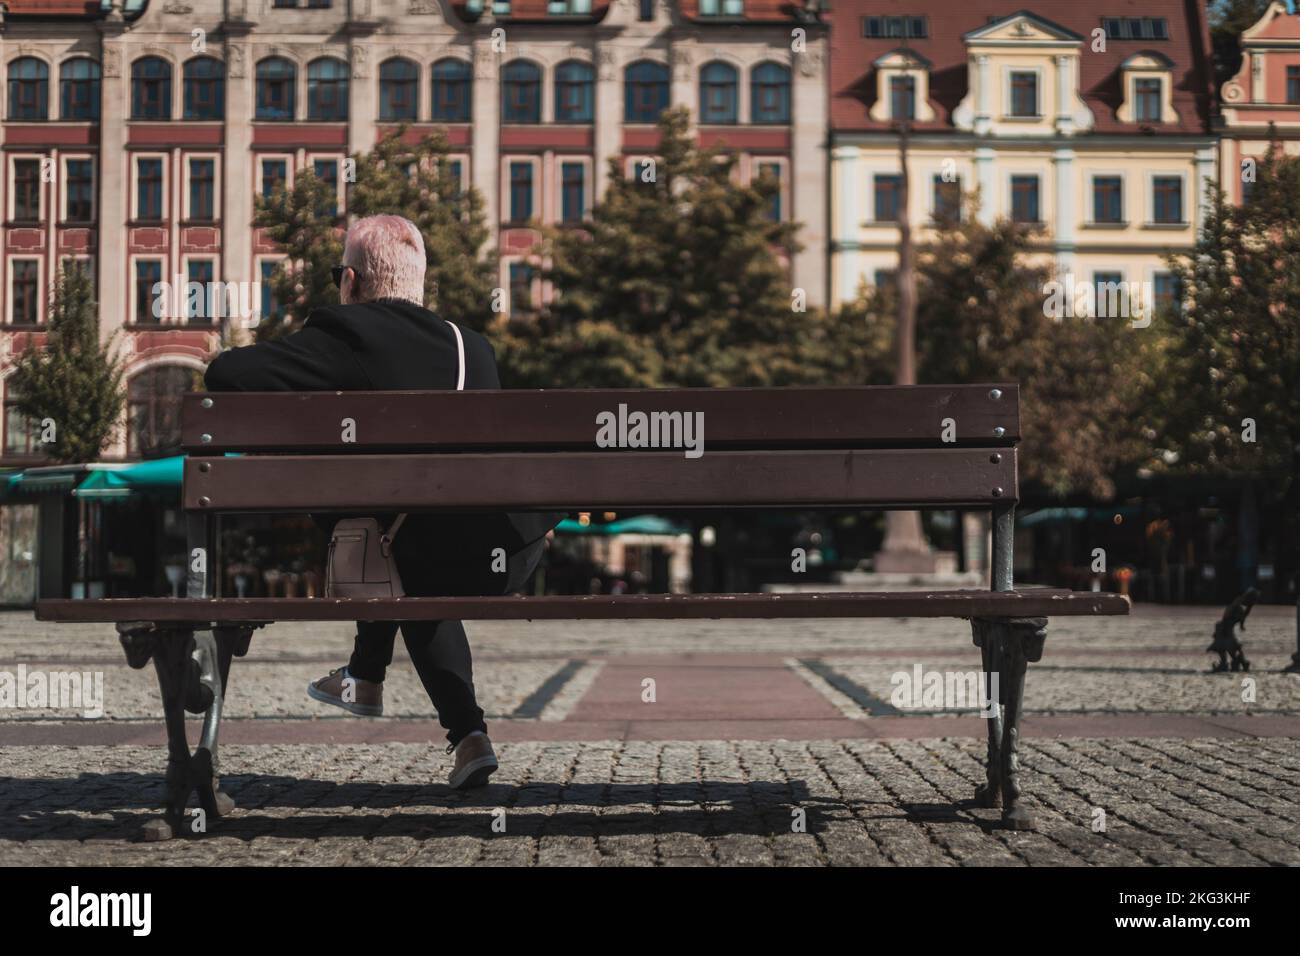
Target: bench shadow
(114, 806)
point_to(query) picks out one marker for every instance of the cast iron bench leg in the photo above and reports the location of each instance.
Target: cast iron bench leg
(172, 655)
(1007, 646)
(989, 794)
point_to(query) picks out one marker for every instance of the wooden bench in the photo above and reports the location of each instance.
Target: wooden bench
(873, 448)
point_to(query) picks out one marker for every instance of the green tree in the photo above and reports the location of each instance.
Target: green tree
(983, 316)
(399, 178)
(677, 279)
(1234, 349)
(75, 381)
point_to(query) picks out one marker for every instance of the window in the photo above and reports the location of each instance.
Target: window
(719, 93)
(573, 192)
(1167, 199)
(521, 288)
(1168, 293)
(1024, 93)
(21, 433)
(203, 179)
(327, 90)
(1024, 199)
(204, 89)
(1111, 294)
(643, 171)
(888, 195)
(327, 171)
(29, 89)
(451, 87)
(80, 190)
(199, 306)
(568, 8)
(645, 87)
(769, 94)
(773, 171)
(399, 87)
(455, 170)
(79, 89)
(902, 97)
(1107, 199)
(897, 27)
(270, 306)
(1135, 28)
(521, 191)
(149, 190)
(27, 190)
(1293, 85)
(947, 200)
(573, 92)
(24, 290)
(722, 8)
(521, 92)
(1147, 96)
(276, 77)
(151, 89)
(646, 11)
(154, 410)
(885, 278)
(275, 173)
(148, 274)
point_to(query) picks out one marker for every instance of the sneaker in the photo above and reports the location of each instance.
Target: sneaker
(475, 762)
(367, 696)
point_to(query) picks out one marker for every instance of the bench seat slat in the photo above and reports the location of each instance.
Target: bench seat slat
(864, 416)
(1029, 603)
(612, 479)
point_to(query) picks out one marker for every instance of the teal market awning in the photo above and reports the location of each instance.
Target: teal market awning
(639, 524)
(162, 476)
(39, 481)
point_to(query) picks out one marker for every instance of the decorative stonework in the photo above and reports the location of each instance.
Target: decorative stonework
(177, 7)
(234, 60)
(485, 67)
(422, 8)
(810, 62)
(112, 62)
(360, 62)
(605, 64)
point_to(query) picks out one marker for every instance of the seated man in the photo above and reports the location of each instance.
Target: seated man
(382, 337)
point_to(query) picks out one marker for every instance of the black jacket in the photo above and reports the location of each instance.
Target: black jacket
(387, 344)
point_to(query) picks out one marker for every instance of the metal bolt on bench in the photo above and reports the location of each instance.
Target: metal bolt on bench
(868, 448)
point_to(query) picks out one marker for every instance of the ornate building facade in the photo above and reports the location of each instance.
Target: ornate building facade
(1262, 102)
(135, 138)
(1091, 123)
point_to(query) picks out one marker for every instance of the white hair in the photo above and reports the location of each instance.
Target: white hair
(387, 252)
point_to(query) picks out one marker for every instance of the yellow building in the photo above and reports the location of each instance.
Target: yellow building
(1094, 129)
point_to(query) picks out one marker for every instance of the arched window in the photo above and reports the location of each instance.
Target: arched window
(769, 94)
(29, 89)
(276, 78)
(79, 89)
(719, 84)
(151, 89)
(521, 92)
(645, 85)
(154, 410)
(451, 89)
(327, 90)
(573, 92)
(399, 90)
(205, 79)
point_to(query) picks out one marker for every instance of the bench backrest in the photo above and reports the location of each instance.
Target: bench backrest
(411, 450)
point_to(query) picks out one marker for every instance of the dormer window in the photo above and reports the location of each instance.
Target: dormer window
(1024, 93)
(568, 8)
(1147, 82)
(902, 97)
(910, 28)
(1135, 28)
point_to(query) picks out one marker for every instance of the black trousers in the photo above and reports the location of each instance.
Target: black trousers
(440, 649)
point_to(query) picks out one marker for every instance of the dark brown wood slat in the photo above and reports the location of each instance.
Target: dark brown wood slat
(567, 480)
(1031, 603)
(907, 416)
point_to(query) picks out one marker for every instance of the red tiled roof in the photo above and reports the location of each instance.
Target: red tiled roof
(853, 77)
(53, 8)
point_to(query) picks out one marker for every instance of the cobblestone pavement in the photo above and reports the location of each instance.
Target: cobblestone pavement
(767, 743)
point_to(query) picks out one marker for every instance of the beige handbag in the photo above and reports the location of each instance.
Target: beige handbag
(361, 563)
